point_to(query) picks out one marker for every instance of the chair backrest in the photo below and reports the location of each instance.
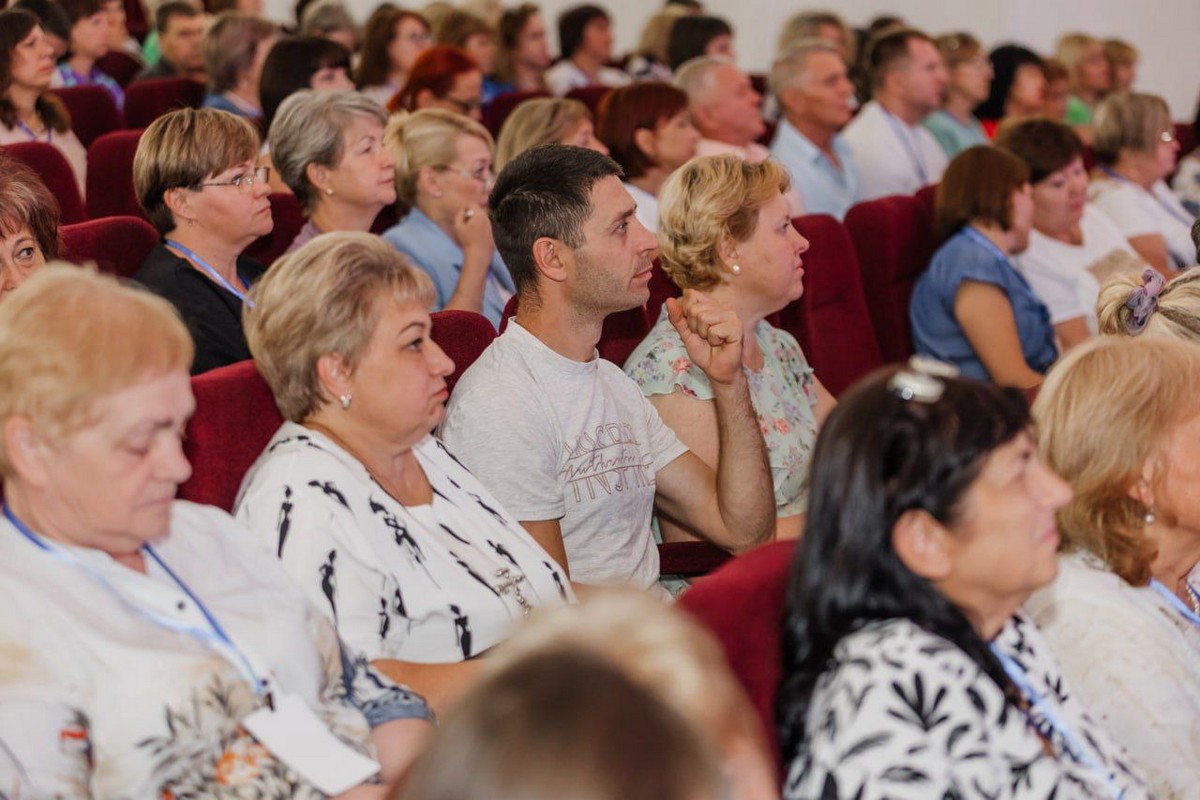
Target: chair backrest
(117, 245)
(893, 237)
(927, 197)
(622, 332)
(743, 604)
(830, 319)
(136, 19)
(495, 112)
(110, 175)
(288, 215)
(235, 418)
(464, 335)
(93, 111)
(146, 101)
(590, 96)
(120, 66)
(55, 171)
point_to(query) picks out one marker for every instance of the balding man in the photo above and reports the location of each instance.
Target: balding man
(727, 111)
(894, 154)
(816, 97)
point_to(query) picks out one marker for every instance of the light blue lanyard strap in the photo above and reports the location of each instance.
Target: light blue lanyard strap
(240, 294)
(214, 636)
(905, 135)
(1110, 172)
(49, 132)
(1081, 751)
(1174, 600)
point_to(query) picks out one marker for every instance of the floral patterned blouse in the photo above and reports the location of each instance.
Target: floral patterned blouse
(98, 699)
(783, 392)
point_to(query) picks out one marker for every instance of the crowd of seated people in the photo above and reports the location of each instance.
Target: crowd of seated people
(447, 575)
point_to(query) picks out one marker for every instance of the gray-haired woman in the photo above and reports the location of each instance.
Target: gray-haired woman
(328, 148)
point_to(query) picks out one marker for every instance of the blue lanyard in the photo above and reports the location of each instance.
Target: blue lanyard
(1110, 172)
(212, 273)
(986, 243)
(215, 637)
(1174, 600)
(905, 137)
(49, 132)
(1079, 751)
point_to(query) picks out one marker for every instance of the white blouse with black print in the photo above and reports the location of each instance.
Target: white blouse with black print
(429, 584)
(902, 713)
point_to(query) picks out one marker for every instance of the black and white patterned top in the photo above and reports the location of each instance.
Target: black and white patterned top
(430, 584)
(902, 713)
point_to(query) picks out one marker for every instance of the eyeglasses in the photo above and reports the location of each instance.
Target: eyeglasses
(482, 175)
(465, 106)
(1167, 137)
(244, 183)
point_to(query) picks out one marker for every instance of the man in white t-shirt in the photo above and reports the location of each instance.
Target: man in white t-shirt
(893, 152)
(563, 438)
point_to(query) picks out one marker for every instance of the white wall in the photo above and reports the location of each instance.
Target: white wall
(1166, 31)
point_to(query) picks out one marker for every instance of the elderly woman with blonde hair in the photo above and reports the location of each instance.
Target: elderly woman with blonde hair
(1124, 614)
(546, 120)
(444, 173)
(672, 655)
(195, 174)
(328, 148)
(402, 548)
(725, 229)
(143, 640)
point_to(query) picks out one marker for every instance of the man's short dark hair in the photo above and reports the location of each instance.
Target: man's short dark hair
(175, 8)
(571, 24)
(544, 192)
(886, 50)
(690, 36)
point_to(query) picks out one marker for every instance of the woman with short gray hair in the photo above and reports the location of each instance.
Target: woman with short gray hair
(328, 148)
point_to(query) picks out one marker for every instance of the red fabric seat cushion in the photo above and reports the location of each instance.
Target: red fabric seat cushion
(147, 100)
(117, 245)
(110, 175)
(93, 111)
(54, 170)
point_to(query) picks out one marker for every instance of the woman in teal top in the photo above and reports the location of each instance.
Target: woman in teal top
(953, 125)
(725, 230)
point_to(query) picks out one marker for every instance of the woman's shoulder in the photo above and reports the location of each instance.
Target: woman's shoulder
(309, 466)
(162, 271)
(660, 364)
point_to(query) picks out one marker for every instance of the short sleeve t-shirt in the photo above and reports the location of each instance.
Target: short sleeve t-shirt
(554, 438)
(935, 329)
(1067, 277)
(1138, 212)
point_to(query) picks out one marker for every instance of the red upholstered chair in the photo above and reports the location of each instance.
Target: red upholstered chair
(759, 81)
(386, 218)
(136, 19)
(830, 319)
(93, 112)
(894, 241)
(927, 196)
(52, 167)
(661, 287)
(110, 175)
(146, 101)
(235, 418)
(464, 335)
(117, 245)
(289, 219)
(495, 112)
(621, 334)
(119, 66)
(590, 96)
(743, 605)
(1185, 134)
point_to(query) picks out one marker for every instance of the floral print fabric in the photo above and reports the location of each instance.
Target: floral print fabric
(783, 392)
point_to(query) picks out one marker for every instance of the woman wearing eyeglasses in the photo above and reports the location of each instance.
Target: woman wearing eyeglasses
(195, 176)
(444, 173)
(443, 77)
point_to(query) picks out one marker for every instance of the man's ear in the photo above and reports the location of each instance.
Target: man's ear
(552, 258)
(922, 544)
(26, 450)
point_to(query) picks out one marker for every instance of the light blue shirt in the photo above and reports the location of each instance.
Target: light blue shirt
(419, 238)
(824, 188)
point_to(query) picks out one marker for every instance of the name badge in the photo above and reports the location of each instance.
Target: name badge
(294, 735)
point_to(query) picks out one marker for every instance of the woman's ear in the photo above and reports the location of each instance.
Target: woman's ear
(318, 176)
(1142, 489)
(645, 140)
(921, 542)
(334, 375)
(425, 98)
(26, 450)
(429, 182)
(179, 203)
(727, 251)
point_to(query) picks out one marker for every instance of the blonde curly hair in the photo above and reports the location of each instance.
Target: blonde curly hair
(707, 201)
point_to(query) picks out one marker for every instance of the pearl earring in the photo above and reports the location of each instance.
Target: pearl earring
(329, 191)
(345, 401)
(737, 269)
(1150, 517)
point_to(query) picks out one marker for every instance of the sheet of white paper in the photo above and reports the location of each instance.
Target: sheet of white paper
(294, 734)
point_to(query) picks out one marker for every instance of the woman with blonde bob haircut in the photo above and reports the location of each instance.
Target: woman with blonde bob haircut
(546, 120)
(417, 565)
(444, 173)
(138, 632)
(672, 655)
(725, 229)
(1123, 615)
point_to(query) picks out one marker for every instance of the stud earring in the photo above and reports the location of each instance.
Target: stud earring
(1150, 516)
(329, 191)
(736, 269)
(345, 401)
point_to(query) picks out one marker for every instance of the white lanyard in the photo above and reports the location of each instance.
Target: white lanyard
(905, 136)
